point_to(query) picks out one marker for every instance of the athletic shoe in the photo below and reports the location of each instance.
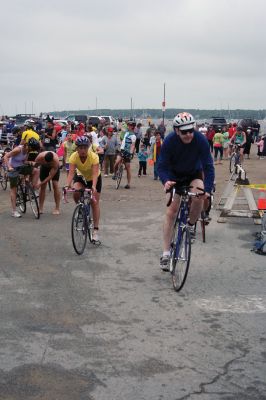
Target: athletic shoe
(127, 187)
(16, 214)
(95, 238)
(105, 175)
(164, 263)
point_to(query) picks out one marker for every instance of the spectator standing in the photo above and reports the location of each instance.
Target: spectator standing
(142, 156)
(155, 152)
(50, 137)
(218, 141)
(226, 142)
(162, 129)
(110, 145)
(209, 136)
(249, 141)
(138, 133)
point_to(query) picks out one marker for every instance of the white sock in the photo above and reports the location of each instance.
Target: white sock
(166, 253)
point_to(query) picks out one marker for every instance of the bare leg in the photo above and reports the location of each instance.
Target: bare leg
(197, 202)
(128, 173)
(56, 197)
(95, 205)
(42, 197)
(13, 196)
(169, 222)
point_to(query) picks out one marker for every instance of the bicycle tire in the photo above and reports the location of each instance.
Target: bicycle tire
(79, 230)
(32, 198)
(90, 225)
(232, 163)
(119, 175)
(181, 259)
(21, 199)
(203, 226)
(4, 179)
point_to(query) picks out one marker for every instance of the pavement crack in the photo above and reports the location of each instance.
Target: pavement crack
(225, 370)
(45, 350)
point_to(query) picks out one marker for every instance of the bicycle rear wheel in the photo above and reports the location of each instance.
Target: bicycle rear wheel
(79, 231)
(21, 199)
(232, 163)
(181, 259)
(119, 175)
(33, 202)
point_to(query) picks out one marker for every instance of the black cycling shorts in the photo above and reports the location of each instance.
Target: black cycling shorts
(88, 184)
(44, 173)
(187, 179)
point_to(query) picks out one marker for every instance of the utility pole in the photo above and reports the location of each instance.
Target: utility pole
(163, 103)
(131, 117)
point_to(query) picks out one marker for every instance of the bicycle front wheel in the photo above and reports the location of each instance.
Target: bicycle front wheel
(119, 175)
(182, 253)
(79, 229)
(20, 199)
(232, 163)
(90, 225)
(33, 202)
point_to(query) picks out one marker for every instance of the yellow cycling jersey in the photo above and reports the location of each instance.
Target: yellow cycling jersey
(85, 169)
(29, 134)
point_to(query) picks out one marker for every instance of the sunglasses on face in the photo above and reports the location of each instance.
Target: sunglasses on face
(187, 131)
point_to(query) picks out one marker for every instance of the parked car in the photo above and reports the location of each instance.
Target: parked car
(109, 119)
(22, 118)
(218, 123)
(94, 120)
(246, 123)
(77, 118)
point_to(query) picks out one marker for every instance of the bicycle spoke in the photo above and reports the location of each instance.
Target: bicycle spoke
(79, 229)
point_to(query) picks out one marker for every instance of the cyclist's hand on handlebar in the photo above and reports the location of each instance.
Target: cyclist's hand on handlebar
(168, 185)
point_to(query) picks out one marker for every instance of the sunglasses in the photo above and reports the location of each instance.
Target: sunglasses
(187, 131)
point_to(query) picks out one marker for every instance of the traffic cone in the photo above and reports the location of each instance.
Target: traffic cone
(262, 200)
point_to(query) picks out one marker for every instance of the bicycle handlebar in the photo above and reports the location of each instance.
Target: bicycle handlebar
(66, 190)
(183, 191)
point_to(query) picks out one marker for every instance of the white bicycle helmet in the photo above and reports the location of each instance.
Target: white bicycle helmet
(184, 121)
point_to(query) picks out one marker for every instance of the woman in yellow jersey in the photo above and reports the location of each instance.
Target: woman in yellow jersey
(84, 171)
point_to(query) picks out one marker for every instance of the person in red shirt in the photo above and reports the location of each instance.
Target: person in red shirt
(231, 131)
(209, 136)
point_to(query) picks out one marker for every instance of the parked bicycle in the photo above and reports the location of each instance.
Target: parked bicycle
(180, 250)
(25, 194)
(82, 221)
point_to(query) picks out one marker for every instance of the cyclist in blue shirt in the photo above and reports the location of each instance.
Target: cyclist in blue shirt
(185, 158)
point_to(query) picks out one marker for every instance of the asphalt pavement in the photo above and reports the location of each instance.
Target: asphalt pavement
(108, 324)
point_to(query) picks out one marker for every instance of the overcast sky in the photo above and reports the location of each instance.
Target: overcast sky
(63, 54)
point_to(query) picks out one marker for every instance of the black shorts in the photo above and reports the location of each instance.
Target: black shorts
(44, 173)
(88, 184)
(187, 179)
(125, 155)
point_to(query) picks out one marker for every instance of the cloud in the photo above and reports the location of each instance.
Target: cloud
(64, 53)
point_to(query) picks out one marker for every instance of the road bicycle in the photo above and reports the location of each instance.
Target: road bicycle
(26, 194)
(180, 248)
(234, 159)
(82, 221)
(121, 167)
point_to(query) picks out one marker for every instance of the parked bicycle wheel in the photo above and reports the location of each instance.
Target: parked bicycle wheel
(33, 201)
(3, 178)
(21, 199)
(232, 163)
(180, 258)
(79, 230)
(119, 175)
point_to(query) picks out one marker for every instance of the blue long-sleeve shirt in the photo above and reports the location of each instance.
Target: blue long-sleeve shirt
(178, 159)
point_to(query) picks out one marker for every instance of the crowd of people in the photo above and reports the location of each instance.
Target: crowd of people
(186, 156)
